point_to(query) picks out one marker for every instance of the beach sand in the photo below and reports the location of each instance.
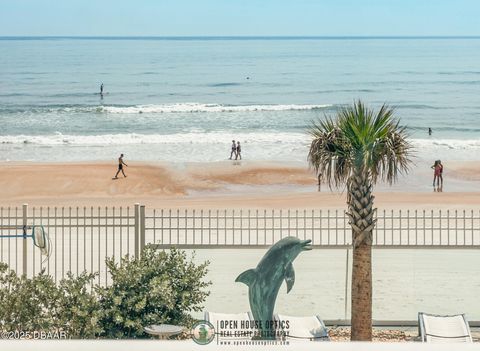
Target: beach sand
(221, 185)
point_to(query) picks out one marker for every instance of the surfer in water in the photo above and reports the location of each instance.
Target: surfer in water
(120, 167)
(101, 90)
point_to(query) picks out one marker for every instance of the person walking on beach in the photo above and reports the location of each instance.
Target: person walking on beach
(120, 167)
(234, 150)
(239, 151)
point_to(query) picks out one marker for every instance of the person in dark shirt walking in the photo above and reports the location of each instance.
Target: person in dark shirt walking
(121, 163)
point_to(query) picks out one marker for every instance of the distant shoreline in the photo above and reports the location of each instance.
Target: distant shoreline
(239, 37)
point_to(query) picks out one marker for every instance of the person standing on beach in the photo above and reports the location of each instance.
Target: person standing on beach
(120, 167)
(234, 150)
(437, 172)
(239, 151)
(441, 173)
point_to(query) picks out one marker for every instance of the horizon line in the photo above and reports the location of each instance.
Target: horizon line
(236, 37)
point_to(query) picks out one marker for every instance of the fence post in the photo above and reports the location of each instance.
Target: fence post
(24, 241)
(137, 228)
(142, 228)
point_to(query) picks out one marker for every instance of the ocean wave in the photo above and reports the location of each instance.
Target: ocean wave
(422, 107)
(198, 107)
(219, 137)
(446, 129)
(162, 108)
(452, 144)
(215, 137)
(228, 84)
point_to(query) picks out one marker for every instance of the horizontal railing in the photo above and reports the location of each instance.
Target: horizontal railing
(326, 228)
(83, 237)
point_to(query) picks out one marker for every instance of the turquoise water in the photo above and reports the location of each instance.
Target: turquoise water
(186, 99)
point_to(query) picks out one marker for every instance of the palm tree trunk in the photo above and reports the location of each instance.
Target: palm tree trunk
(362, 294)
(361, 213)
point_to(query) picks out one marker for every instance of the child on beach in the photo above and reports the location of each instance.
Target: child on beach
(121, 163)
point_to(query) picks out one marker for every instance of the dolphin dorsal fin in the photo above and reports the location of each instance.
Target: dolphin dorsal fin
(247, 277)
(289, 276)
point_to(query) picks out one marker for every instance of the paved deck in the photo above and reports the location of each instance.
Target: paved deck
(155, 345)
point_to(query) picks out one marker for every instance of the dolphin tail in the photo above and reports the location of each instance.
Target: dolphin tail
(247, 277)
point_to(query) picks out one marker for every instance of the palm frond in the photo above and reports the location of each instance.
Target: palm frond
(359, 139)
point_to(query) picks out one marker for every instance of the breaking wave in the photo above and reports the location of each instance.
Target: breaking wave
(165, 108)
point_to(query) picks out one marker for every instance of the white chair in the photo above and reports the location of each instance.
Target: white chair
(443, 329)
(304, 328)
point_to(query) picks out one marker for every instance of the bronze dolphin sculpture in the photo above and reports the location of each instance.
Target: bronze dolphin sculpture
(265, 280)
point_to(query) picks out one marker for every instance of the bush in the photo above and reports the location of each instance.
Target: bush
(27, 304)
(159, 287)
(78, 308)
(38, 304)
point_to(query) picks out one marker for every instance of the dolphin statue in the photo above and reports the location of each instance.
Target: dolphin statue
(265, 280)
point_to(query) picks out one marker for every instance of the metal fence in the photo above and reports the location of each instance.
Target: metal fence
(326, 228)
(83, 237)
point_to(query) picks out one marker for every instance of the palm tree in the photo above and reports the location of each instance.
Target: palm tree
(357, 148)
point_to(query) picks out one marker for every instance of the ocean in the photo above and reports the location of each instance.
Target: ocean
(185, 99)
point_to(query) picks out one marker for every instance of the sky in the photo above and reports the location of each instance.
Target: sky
(239, 18)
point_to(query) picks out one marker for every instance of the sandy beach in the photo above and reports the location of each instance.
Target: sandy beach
(218, 185)
(221, 185)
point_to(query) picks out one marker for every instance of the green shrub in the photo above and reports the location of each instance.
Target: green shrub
(27, 304)
(78, 308)
(38, 304)
(159, 287)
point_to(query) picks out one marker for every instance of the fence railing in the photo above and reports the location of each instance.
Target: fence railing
(326, 228)
(83, 237)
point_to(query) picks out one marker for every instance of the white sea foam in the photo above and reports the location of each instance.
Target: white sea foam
(134, 138)
(216, 137)
(184, 107)
(198, 107)
(198, 146)
(451, 144)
